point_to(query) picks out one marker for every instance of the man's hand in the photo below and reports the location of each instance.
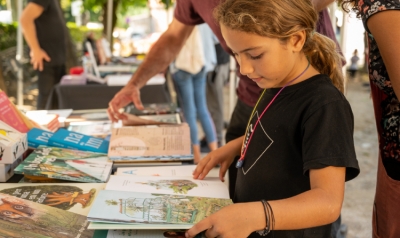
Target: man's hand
(37, 57)
(129, 93)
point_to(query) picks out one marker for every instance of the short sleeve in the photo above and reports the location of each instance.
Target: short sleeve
(370, 7)
(328, 138)
(43, 3)
(186, 14)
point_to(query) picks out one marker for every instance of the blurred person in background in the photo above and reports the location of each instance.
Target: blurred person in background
(43, 28)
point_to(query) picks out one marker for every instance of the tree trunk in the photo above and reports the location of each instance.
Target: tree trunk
(14, 9)
(114, 18)
(2, 84)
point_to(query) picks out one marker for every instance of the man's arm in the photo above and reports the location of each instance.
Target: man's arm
(28, 16)
(321, 4)
(160, 56)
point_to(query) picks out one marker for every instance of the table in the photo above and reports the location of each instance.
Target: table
(97, 96)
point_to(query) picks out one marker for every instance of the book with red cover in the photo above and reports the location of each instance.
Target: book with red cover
(9, 115)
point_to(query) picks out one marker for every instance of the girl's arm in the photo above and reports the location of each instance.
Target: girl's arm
(223, 156)
(387, 38)
(319, 206)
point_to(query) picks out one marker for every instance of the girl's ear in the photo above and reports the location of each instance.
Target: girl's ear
(297, 41)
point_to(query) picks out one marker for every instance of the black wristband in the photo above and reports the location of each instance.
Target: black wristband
(266, 230)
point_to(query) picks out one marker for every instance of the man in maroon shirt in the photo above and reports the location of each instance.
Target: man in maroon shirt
(189, 13)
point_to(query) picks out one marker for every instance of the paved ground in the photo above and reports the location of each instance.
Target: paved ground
(359, 195)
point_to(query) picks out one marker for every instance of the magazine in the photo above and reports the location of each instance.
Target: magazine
(65, 164)
(73, 197)
(23, 218)
(161, 119)
(147, 143)
(169, 185)
(134, 207)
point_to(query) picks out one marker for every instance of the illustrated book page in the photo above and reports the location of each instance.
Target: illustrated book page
(73, 197)
(133, 207)
(211, 187)
(23, 218)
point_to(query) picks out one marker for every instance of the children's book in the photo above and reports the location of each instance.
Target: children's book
(73, 197)
(23, 218)
(133, 207)
(149, 143)
(153, 109)
(65, 164)
(38, 137)
(184, 170)
(73, 140)
(209, 187)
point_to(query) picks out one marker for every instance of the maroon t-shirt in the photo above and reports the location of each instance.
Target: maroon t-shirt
(194, 12)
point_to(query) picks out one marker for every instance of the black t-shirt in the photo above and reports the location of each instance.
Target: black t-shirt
(50, 27)
(308, 126)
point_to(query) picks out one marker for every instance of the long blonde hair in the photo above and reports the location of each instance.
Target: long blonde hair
(281, 19)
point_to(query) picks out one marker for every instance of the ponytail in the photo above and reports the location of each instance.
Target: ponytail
(323, 55)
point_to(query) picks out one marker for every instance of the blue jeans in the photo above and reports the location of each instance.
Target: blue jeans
(192, 90)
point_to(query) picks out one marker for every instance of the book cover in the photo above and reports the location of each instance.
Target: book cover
(73, 197)
(38, 137)
(165, 142)
(134, 207)
(174, 185)
(13, 144)
(74, 140)
(153, 109)
(23, 218)
(9, 114)
(184, 170)
(65, 164)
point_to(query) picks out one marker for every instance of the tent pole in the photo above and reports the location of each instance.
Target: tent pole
(19, 58)
(109, 19)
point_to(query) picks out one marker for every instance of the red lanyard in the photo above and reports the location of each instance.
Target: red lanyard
(240, 162)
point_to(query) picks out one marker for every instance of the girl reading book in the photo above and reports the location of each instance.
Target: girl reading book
(298, 149)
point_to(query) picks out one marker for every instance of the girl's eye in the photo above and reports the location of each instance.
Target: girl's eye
(256, 57)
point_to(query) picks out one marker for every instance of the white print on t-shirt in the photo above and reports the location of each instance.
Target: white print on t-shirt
(249, 130)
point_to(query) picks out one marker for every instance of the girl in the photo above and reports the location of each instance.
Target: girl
(298, 149)
(384, 74)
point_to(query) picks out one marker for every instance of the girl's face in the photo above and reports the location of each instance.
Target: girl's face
(267, 61)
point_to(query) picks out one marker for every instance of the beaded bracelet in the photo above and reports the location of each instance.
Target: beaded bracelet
(267, 228)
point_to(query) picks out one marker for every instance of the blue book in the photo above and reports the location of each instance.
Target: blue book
(74, 140)
(38, 137)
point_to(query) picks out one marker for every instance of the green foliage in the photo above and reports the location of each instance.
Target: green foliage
(8, 35)
(78, 34)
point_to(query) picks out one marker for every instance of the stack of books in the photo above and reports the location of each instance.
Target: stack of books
(160, 198)
(13, 144)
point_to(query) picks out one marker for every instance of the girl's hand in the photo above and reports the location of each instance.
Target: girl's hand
(232, 221)
(219, 156)
(223, 156)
